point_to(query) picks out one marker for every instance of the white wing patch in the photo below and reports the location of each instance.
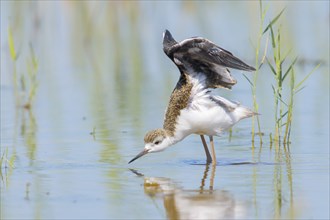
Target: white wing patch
(199, 91)
(177, 61)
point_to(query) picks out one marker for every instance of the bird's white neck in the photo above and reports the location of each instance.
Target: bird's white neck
(178, 136)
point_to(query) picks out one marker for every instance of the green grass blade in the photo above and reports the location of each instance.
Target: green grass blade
(33, 57)
(278, 96)
(292, 81)
(271, 66)
(286, 55)
(248, 79)
(272, 36)
(274, 91)
(282, 116)
(264, 56)
(282, 101)
(306, 77)
(290, 67)
(273, 21)
(11, 45)
(300, 89)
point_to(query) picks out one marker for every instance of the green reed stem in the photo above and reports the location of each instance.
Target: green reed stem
(283, 112)
(255, 76)
(290, 109)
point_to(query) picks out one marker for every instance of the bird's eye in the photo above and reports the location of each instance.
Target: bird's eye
(157, 142)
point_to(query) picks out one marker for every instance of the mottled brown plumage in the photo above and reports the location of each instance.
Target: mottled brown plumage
(152, 135)
(179, 100)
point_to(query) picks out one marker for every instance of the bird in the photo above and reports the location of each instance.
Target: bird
(192, 108)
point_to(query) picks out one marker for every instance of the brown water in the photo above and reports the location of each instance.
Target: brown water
(103, 81)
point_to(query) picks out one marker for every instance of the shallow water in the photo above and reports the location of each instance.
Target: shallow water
(103, 81)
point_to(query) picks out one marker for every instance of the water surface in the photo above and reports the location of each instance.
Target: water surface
(103, 81)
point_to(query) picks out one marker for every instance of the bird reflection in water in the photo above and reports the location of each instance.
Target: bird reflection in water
(202, 203)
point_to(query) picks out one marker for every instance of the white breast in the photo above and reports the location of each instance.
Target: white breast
(207, 114)
(204, 117)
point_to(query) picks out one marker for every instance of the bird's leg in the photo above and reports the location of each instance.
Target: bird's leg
(207, 167)
(207, 152)
(212, 177)
(214, 160)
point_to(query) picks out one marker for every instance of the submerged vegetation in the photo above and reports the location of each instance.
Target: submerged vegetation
(24, 87)
(7, 161)
(27, 81)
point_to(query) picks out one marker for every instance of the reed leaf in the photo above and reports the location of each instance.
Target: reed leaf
(248, 79)
(280, 98)
(273, 21)
(299, 89)
(274, 91)
(290, 67)
(271, 66)
(282, 116)
(306, 77)
(12, 50)
(286, 55)
(272, 36)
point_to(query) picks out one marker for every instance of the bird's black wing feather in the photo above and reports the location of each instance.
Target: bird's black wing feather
(200, 56)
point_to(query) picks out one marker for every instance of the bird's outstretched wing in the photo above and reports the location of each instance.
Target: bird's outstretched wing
(200, 56)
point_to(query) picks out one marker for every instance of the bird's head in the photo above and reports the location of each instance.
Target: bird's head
(154, 141)
(168, 42)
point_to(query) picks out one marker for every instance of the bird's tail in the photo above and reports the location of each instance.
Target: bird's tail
(242, 112)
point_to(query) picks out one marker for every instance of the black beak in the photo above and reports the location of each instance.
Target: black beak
(139, 155)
